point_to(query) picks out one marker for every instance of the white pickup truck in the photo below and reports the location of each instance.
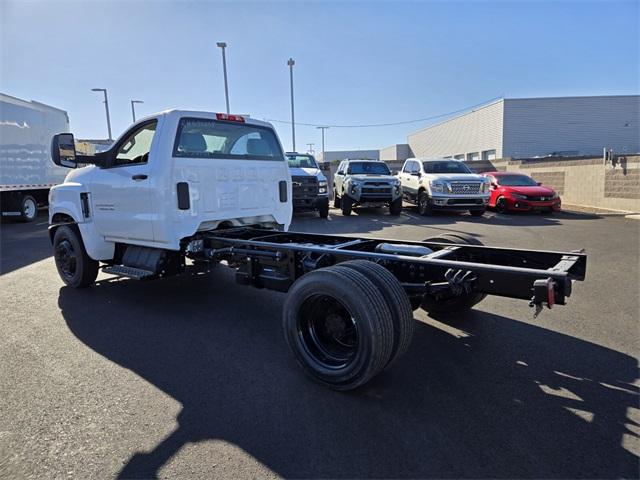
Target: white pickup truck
(184, 186)
(443, 184)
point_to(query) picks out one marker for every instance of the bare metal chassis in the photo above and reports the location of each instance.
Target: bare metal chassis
(274, 260)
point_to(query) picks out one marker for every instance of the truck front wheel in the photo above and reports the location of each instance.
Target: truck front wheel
(395, 207)
(424, 207)
(336, 199)
(338, 326)
(347, 204)
(75, 267)
(323, 208)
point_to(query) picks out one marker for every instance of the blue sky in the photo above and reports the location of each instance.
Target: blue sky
(356, 63)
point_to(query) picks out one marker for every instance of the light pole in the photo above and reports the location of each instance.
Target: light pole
(223, 45)
(310, 145)
(291, 63)
(322, 129)
(106, 107)
(133, 109)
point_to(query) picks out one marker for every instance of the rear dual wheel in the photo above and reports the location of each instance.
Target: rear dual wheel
(346, 323)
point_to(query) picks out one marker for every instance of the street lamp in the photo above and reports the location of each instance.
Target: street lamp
(322, 129)
(106, 107)
(223, 45)
(291, 63)
(133, 110)
(310, 145)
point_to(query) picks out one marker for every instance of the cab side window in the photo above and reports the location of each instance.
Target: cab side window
(407, 167)
(134, 150)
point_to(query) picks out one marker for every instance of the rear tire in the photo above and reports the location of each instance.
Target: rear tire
(347, 205)
(395, 207)
(460, 303)
(338, 327)
(396, 299)
(424, 208)
(75, 267)
(28, 209)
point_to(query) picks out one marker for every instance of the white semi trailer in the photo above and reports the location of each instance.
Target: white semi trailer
(26, 170)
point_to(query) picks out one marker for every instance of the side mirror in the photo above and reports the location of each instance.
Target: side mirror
(539, 184)
(493, 186)
(339, 173)
(63, 150)
(394, 172)
(416, 174)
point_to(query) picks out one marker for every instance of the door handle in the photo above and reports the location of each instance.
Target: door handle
(139, 177)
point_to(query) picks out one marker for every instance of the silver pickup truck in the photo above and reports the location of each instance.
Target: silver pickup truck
(443, 184)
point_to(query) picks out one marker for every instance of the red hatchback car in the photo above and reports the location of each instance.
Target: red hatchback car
(512, 191)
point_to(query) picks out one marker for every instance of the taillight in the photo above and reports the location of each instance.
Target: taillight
(230, 118)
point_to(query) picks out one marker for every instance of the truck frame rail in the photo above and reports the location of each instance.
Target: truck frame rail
(274, 260)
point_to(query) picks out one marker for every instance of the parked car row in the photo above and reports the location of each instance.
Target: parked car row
(433, 184)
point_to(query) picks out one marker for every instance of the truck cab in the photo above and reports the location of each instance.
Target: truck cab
(169, 176)
(309, 184)
(443, 184)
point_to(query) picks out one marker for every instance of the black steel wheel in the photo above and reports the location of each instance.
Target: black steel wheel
(75, 267)
(459, 303)
(338, 327)
(424, 207)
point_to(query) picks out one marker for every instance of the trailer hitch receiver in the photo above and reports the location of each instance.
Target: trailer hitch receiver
(543, 294)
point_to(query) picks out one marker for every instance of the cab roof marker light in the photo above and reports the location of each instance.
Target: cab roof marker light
(230, 118)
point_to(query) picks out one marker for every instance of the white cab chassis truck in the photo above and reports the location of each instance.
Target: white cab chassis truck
(26, 171)
(184, 189)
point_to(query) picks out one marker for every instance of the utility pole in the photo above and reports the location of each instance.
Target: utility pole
(133, 110)
(106, 107)
(322, 129)
(291, 63)
(310, 145)
(223, 45)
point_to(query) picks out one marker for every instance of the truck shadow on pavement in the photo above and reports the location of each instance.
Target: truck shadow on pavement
(481, 396)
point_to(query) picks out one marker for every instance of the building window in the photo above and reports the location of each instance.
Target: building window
(459, 156)
(473, 156)
(489, 155)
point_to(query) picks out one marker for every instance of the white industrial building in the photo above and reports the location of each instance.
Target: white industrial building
(531, 127)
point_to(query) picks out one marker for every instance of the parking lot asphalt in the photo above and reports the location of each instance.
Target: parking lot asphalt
(190, 376)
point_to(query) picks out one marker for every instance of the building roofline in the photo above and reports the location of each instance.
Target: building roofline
(473, 110)
(4, 96)
(504, 99)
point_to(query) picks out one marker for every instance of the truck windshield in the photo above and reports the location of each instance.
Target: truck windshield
(446, 167)
(368, 168)
(516, 181)
(203, 138)
(301, 161)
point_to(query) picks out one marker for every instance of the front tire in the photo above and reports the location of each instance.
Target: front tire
(424, 207)
(336, 199)
(347, 205)
(395, 207)
(323, 209)
(501, 205)
(478, 212)
(338, 326)
(28, 208)
(75, 267)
